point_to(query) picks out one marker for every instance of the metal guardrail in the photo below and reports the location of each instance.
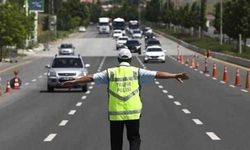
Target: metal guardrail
(221, 56)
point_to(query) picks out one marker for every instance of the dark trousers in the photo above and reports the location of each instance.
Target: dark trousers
(133, 135)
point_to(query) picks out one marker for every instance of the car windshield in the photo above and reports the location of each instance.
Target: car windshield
(67, 63)
(135, 42)
(154, 42)
(154, 50)
(117, 31)
(137, 32)
(66, 46)
(123, 39)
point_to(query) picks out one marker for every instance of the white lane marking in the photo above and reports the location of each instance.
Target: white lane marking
(156, 82)
(50, 137)
(92, 83)
(201, 72)
(197, 121)
(160, 86)
(222, 82)
(27, 83)
(195, 69)
(140, 62)
(90, 87)
(170, 96)
(45, 73)
(79, 104)
(164, 91)
(232, 86)
(243, 90)
(84, 97)
(87, 92)
(40, 77)
(177, 103)
(186, 111)
(63, 123)
(214, 78)
(72, 112)
(34, 80)
(207, 75)
(213, 136)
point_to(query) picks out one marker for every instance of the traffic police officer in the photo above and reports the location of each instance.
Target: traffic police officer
(124, 103)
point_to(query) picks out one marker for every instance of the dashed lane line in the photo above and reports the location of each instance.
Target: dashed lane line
(79, 104)
(170, 96)
(88, 92)
(197, 121)
(177, 103)
(186, 111)
(63, 123)
(164, 91)
(72, 112)
(156, 82)
(84, 97)
(40, 77)
(243, 90)
(160, 86)
(213, 136)
(90, 87)
(92, 83)
(34, 80)
(27, 83)
(50, 137)
(232, 86)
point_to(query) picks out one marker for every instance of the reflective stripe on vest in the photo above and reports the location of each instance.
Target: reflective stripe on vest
(123, 89)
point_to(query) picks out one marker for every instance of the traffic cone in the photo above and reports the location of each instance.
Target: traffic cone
(206, 66)
(248, 81)
(237, 78)
(197, 65)
(8, 87)
(16, 84)
(178, 54)
(215, 71)
(193, 62)
(182, 59)
(1, 91)
(225, 75)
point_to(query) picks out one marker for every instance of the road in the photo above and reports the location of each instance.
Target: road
(201, 114)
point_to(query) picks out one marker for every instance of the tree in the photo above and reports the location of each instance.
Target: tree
(15, 26)
(153, 11)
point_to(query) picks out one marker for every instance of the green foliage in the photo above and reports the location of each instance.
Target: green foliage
(15, 26)
(153, 11)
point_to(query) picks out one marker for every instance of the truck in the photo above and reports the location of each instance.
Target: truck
(133, 25)
(119, 24)
(103, 25)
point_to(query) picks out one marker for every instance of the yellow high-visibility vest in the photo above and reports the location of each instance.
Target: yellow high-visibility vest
(123, 92)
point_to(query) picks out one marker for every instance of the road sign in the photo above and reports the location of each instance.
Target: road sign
(36, 5)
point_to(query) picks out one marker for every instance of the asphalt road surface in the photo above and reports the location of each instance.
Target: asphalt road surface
(201, 114)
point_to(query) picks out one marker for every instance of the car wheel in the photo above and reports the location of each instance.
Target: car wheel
(50, 89)
(139, 52)
(85, 88)
(163, 61)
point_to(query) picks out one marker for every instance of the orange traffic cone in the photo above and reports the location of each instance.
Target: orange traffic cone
(16, 84)
(182, 59)
(193, 62)
(248, 81)
(1, 91)
(8, 87)
(225, 75)
(215, 71)
(206, 66)
(197, 65)
(237, 78)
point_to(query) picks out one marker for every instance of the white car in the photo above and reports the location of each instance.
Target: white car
(82, 29)
(121, 41)
(154, 53)
(117, 33)
(66, 49)
(137, 34)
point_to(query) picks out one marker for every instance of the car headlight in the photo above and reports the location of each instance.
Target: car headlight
(52, 74)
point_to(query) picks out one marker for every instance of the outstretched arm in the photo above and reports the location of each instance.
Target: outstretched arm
(84, 79)
(167, 75)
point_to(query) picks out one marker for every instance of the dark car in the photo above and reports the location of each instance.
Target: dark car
(134, 46)
(151, 42)
(148, 35)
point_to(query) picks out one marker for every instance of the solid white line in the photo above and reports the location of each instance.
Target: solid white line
(79, 104)
(197, 121)
(27, 83)
(34, 80)
(232, 86)
(186, 111)
(164, 91)
(63, 123)
(87, 92)
(84, 97)
(213, 136)
(243, 90)
(177, 103)
(72, 112)
(90, 87)
(170, 96)
(50, 137)
(160, 86)
(156, 82)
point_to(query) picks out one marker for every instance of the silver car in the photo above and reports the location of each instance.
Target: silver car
(65, 68)
(66, 49)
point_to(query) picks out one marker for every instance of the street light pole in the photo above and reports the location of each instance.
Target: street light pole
(221, 22)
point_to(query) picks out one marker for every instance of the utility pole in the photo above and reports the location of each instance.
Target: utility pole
(221, 22)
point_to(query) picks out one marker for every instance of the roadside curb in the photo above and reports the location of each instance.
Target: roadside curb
(225, 57)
